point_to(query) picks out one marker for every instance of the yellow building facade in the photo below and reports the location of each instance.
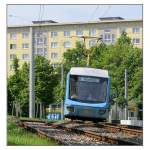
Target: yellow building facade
(51, 40)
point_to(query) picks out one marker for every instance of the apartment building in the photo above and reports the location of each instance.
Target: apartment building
(51, 39)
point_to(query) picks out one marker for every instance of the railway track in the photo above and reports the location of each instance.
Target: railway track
(80, 133)
(122, 128)
(60, 134)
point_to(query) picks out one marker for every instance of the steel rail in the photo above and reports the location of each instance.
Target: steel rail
(39, 132)
(122, 128)
(92, 134)
(99, 137)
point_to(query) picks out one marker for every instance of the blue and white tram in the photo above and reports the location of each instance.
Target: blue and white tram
(87, 94)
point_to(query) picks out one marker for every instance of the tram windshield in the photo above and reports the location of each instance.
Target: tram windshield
(88, 89)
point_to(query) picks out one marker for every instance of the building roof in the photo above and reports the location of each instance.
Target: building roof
(111, 18)
(92, 72)
(44, 22)
(77, 23)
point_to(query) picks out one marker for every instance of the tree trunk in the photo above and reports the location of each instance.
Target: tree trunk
(18, 109)
(37, 109)
(116, 107)
(20, 112)
(41, 113)
(44, 110)
(12, 113)
(16, 105)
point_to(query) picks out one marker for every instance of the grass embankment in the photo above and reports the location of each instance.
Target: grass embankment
(19, 136)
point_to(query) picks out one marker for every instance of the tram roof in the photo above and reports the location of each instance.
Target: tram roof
(83, 71)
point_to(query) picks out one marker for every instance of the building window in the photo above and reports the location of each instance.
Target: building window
(113, 38)
(92, 32)
(42, 52)
(13, 46)
(67, 44)
(66, 33)
(40, 34)
(54, 65)
(136, 41)
(25, 45)
(53, 34)
(13, 36)
(136, 30)
(79, 32)
(54, 55)
(12, 56)
(107, 30)
(107, 37)
(41, 41)
(25, 35)
(54, 45)
(45, 41)
(92, 42)
(25, 56)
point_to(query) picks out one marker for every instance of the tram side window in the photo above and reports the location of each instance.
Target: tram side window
(103, 89)
(73, 88)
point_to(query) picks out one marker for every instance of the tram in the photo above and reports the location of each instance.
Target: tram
(87, 94)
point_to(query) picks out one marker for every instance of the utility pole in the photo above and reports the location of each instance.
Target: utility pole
(87, 51)
(31, 78)
(126, 94)
(62, 82)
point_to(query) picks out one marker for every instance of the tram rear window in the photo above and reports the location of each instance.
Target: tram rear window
(88, 89)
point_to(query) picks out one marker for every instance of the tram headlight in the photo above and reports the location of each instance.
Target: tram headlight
(102, 111)
(70, 109)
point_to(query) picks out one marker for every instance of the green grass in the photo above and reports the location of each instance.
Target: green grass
(19, 136)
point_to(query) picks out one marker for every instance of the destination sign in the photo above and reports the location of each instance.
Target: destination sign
(88, 79)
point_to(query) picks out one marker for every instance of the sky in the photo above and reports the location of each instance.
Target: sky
(25, 14)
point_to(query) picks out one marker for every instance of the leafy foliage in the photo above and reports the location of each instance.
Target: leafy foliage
(18, 84)
(14, 84)
(75, 57)
(44, 80)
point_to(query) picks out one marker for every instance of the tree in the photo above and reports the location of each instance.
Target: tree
(124, 40)
(75, 57)
(97, 53)
(10, 99)
(18, 85)
(14, 86)
(118, 57)
(44, 83)
(24, 93)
